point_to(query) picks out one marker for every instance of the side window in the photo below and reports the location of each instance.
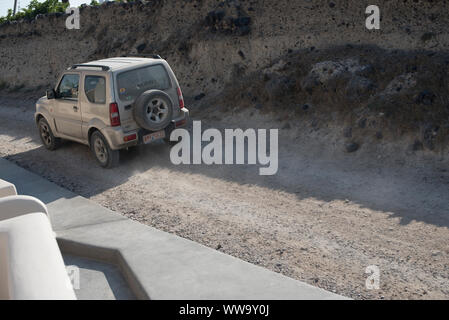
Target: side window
(68, 87)
(95, 89)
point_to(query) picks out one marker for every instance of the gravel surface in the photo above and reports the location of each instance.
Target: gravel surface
(320, 221)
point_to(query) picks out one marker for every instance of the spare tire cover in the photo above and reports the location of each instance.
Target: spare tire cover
(153, 110)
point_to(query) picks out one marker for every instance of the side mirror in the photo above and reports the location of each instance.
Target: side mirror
(51, 94)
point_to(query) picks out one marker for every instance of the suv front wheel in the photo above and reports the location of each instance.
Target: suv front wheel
(48, 139)
(105, 156)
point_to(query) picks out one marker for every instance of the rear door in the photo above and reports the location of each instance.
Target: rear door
(67, 106)
(93, 98)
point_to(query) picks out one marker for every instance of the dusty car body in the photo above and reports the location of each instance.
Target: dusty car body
(112, 104)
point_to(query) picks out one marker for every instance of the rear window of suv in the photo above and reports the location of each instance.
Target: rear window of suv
(131, 84)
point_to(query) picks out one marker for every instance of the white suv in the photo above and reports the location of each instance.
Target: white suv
(112, 104)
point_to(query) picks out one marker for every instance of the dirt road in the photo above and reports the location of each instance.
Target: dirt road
(322, 219)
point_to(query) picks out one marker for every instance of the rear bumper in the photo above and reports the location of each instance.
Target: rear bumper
(178, 122)
(182, 119)
(116, 136)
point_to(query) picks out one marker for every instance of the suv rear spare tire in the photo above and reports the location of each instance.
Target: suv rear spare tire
(153, 110)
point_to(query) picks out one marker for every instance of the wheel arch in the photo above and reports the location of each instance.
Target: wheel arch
(38, 117)
(90, 133)
(93, 125)
(93, 129)
(43, 115)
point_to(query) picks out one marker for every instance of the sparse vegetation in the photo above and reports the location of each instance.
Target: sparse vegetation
(34, 8)
(48, 6)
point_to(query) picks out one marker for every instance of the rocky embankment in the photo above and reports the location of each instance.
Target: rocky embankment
(311, 64)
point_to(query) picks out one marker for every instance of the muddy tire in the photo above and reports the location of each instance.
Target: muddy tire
(153, 110)
(106, 157)
(48, 139)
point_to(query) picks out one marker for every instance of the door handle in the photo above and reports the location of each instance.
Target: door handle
(75, 108)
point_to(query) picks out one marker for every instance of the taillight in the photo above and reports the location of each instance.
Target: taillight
(114, 114)
(181, 99)
(130, 137)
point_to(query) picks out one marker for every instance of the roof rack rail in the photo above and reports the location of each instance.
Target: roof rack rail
(145, 55)
(104, 68)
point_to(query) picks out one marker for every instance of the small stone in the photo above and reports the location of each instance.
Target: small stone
(417, 145)
(218, 247)
(351, 147)
(362, 123)
(141, 47)
(200, 96)
(427, 36)
(426, 97)
(436, 253)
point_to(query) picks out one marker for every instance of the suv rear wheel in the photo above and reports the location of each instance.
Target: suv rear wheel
(105, 156)
(48, 139)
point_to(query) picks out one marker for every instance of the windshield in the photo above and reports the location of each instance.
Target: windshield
(132, 83)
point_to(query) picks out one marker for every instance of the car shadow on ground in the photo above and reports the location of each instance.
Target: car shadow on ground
(400, 195)
(306, 179)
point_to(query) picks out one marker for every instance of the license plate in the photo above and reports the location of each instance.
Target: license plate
(153, 136)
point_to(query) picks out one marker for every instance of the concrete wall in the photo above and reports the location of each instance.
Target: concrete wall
(206, 40)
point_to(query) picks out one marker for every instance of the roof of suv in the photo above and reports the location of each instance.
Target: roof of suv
(118, 63)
